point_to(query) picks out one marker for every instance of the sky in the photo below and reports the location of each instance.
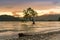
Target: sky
(19, 5)
(38, 5)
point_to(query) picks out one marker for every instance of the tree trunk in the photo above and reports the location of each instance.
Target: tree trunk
(33, 20)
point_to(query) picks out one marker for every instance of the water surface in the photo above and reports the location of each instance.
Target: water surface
(10, 29)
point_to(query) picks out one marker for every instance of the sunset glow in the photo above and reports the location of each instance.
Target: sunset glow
(6, 13)
(42, 7)
(40, 12)
(29, 19)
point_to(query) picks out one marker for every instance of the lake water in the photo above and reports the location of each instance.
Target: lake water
(18, 25)
(27, 26)
(13, 28)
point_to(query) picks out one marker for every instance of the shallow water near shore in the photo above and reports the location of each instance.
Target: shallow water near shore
(10, 30)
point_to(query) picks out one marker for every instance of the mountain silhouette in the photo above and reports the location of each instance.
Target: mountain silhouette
(9, 18)
(50, 17)
(55, 17)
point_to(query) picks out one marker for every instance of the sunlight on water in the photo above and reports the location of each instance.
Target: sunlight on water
(23, 25)
(11, 29)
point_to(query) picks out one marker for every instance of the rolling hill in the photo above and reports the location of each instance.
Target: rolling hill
(50, 17)
(55, 17)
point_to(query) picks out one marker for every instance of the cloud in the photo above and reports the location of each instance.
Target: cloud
(23, 4)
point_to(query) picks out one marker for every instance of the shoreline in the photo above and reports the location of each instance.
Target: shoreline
(34, 36)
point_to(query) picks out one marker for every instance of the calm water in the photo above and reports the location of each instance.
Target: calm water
(27, 26)
(19, 25)
(13, 28)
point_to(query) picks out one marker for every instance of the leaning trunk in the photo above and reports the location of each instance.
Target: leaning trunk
(33, 20)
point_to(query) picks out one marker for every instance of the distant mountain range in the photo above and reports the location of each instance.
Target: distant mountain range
(50, 17)
(9, 18)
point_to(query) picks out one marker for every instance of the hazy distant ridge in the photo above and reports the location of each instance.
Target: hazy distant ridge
(50, 17)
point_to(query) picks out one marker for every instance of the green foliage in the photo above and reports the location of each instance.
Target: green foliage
(29, 14)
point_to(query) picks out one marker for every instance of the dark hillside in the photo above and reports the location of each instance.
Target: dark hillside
(9, 18)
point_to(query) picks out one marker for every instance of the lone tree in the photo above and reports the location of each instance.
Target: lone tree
(29, 13)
